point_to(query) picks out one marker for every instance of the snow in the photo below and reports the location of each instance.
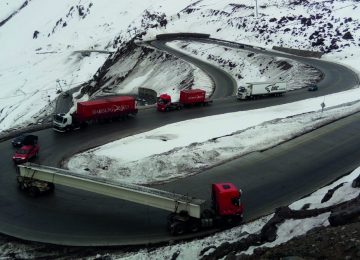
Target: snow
(33, 67)
(9, 7)
(344, 193)
(292, 228)
(245, 65)
(170, 148)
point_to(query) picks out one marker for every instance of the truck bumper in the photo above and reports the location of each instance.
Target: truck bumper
(58, 129)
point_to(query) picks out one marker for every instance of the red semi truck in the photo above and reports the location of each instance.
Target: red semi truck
(94, 111)
(188, 214)
(187, 98)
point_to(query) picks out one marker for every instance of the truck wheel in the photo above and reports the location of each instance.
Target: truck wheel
(195, 226)
(21, 186)
(231, 221)
(34, 191)
(167, 109)
(170, 220)
(178, 228)
(51, 186)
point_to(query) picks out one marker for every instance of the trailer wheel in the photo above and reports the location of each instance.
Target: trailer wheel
(51, 186)
(21, 186)
(178, 228)
(170, 220)
(34, 191)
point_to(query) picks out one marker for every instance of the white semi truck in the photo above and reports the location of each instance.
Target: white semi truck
(258, 89)
(188, 214)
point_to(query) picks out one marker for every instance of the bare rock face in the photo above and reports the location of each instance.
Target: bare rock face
(348, 36)
(356, 182)
(330, 193)
(346, 215)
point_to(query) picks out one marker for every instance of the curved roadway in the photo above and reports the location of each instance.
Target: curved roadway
(269, 179)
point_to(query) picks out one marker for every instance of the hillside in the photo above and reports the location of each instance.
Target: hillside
(44, 57)
(90, 45)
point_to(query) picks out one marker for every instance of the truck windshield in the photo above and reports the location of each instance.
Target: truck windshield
(161, 101)
(241, 89)
(59, 119)
(22, 151)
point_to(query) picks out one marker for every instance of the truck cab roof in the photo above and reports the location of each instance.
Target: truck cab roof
(224, 187)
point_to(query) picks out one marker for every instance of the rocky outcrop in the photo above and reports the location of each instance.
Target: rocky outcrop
(341, 214)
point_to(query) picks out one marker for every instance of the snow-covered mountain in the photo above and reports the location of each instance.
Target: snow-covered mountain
(42, 48)
(40, 42)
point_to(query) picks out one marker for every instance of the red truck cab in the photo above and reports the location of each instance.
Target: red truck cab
(189, 97)
(227, 200)
(25, 153)
(163, 102)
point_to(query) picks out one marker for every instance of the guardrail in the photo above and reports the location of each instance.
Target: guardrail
(298, 52)
(181, 35)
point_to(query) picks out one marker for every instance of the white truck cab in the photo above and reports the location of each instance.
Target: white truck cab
(62, 122)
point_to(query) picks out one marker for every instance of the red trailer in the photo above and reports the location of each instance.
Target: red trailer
(96, 110)
(189, 97)
(105, 108)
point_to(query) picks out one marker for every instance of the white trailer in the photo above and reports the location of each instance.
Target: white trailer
(256, 89)
(187, 212)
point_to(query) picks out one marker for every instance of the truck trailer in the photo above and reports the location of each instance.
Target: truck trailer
(92, 111)
(188, 214)
(258, 89)
(189, 97)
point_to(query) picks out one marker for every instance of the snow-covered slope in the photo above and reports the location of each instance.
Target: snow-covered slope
(39, 49)
(41, 58)
(40, 40)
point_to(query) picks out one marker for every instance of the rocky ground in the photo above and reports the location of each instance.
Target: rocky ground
(339, 240)
(342, 242)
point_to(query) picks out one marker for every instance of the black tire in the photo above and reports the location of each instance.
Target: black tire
(207, 213)
(21, 186)
(170, 220)
(167, 109)
(231, 221)
(195, 226)
(177, 229)
(34, 191)
(51, 186)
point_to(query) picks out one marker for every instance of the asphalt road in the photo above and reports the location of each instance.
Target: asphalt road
(268, 179)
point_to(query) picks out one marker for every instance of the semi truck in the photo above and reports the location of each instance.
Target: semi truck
(92, 111)
(258, 89)
(187, 98)
(188, 214)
